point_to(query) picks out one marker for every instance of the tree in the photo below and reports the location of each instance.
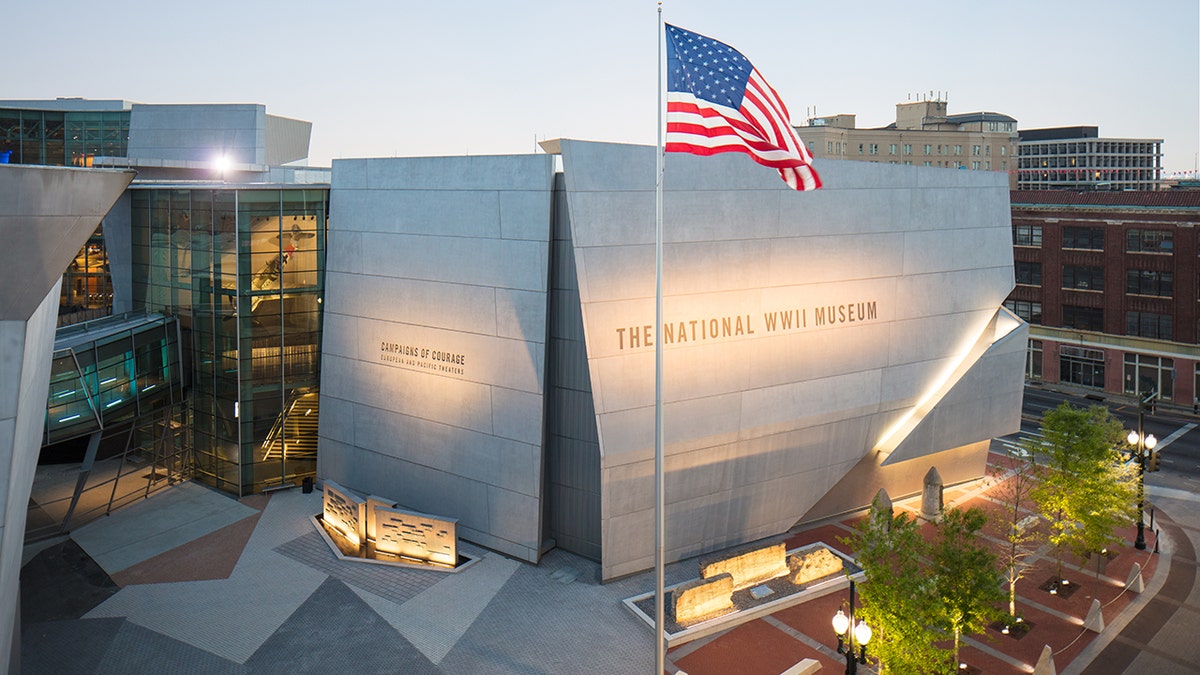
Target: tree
(896, 595)
(1086, 490)
(1015, 481)
(965, 580)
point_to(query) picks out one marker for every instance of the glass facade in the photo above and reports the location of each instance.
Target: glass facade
(63, 138)
(243, 269)
(112, 370)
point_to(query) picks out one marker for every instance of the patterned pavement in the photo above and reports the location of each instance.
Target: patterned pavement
(191, 581)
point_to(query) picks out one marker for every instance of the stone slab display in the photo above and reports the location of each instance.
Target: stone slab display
(702, 599)
(748, 566)
(345, 512)
(812, 565)
(416, 535)
(374, 502)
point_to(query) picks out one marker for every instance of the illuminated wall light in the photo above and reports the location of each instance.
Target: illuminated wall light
(1001, 325)
(64, 393)
(149, 387)
(114, 403)
(68, 419)
(111, 379)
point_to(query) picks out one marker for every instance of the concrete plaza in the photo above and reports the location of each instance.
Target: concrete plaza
(191, 581)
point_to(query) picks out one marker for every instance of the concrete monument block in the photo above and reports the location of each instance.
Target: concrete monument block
(932, 496)
(813, 565)
(1095, 617)
(1135, 582)
(702, 599)
(345, 512)
(1045, 663)
(749, 566)
(417, 535)
(373, 503)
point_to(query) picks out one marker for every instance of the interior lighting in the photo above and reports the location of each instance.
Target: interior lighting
(68, 419)
(114, 403)
(64, 393)
(111, 379)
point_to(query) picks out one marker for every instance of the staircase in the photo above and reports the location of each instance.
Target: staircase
(298, 427)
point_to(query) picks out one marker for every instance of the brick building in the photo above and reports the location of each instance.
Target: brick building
(1109, 283)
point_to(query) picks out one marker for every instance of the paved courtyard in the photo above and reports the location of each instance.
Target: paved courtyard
(191, 581)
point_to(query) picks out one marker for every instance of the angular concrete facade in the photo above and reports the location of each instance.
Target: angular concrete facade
(46, 215)
(433, 357)
(818, 346)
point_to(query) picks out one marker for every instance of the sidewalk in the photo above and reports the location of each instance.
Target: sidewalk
(193, 582)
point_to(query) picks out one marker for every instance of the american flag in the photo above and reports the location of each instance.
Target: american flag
(717, 101)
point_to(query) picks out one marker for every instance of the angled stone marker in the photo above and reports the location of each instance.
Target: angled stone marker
(931, 497)
(1045, 664)
(1095, 618)
(1135, 582)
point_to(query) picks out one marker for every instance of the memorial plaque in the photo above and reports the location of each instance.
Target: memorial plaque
(416, 535)
(344, 512)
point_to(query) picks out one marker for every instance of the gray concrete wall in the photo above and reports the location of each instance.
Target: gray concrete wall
(434, 347)
(198, 132)
(762, 419)
(46, 215)
(118, 241)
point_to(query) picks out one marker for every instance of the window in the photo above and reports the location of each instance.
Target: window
(860, 148)
(1149, 325)
(1028, 273)
(928, 149)
(1149, 241)
(1033, 360)
(976, 150)
(958, 150)
(1087, 238)
(829, 147)
(908, 148)
(1144, 374)
(1148, 282)
(928, 163)
(892, 148)
(1083, 318)
(873, 148)
(1031, 312)
(1077, 365)
(1003, 150)
(975, 165)
(1083, 278)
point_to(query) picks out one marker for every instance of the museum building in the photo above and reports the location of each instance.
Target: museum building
(476, 335)
(488, 343)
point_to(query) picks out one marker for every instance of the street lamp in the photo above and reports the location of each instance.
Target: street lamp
(1143, 443)
(848, 640)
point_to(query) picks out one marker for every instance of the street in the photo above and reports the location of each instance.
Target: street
(1178, 440)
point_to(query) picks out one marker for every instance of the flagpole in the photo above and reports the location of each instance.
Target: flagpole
(660, 646)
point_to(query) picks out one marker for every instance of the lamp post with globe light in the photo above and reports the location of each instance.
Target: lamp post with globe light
(1142, 443)
(848, 640)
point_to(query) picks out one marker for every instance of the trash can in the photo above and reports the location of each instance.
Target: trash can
(306, 486)
(4, 155)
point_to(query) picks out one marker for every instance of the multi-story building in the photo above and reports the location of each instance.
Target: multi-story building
(1077, 158)
(922, 135)
(223, 230)
(1108, 282)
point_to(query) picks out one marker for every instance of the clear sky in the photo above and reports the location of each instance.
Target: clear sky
(443, 77)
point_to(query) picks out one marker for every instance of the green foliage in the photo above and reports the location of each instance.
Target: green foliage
(898, 595)
(1086, 490)
(966, 585)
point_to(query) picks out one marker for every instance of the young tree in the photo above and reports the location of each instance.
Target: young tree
(896, 595)
(965, 580)
(1085, 489)
(1016, 478)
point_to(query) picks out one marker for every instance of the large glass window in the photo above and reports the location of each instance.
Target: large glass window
(1149, 241)
(242, 268)
(1145, 374)
(1083, 318)
(1087, 238)
(1148, 282)
(1083, 278)
(1149, 325)
(1028, 273)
